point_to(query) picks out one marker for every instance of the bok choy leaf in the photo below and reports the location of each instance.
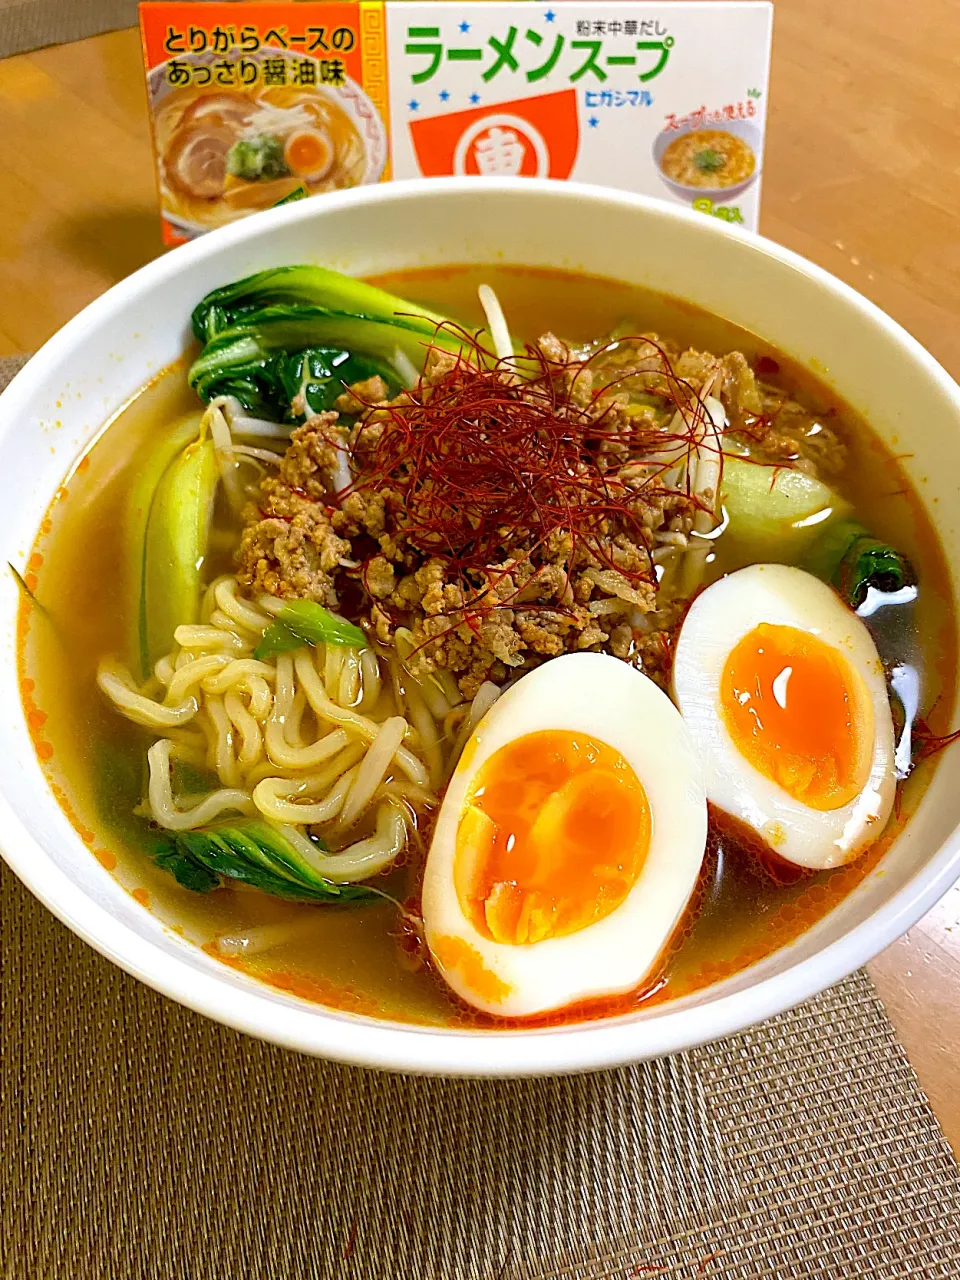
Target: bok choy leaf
(246, 359)
(305, 328)
(311, 287)
(319, 374)
(249, 851)
(852, 560)
(173, 549)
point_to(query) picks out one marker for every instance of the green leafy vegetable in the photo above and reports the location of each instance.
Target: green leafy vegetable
(257, 159)
(305, 622)
(187, 870)
(306, 286)
(305, 328)
(775, 513)
(247, 359)
(708, 161)
(320, 373)
(249, 851)
(850, 558)
(174, 547)
(298, 193)
(136, 516)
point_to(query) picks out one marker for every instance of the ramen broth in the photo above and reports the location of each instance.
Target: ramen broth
(367, 958)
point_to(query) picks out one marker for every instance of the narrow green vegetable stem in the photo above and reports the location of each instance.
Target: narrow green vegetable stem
(305, 622)
(22, 585)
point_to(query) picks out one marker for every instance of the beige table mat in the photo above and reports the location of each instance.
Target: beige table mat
(139, 1141)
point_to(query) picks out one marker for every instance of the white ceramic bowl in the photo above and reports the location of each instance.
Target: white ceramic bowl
(99, 359)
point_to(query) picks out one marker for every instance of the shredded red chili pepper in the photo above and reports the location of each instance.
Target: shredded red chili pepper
(495, 458)
(926, 743)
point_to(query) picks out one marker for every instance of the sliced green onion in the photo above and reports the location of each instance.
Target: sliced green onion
(305, 622)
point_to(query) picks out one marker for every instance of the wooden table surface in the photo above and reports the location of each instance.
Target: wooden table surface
(862, 176)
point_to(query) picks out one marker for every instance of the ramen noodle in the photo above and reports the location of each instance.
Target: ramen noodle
(711, 159)
(229, 153)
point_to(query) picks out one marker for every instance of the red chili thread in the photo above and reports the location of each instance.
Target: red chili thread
(351, 1240)
(926, 743)
(495, 461)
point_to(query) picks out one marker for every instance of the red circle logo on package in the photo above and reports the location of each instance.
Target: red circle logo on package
(529, 138)
(502, 146)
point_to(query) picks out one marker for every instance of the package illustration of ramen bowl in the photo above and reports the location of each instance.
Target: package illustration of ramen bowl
(717, 162)
(224, 152)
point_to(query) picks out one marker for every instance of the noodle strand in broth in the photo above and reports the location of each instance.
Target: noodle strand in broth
(264, 728)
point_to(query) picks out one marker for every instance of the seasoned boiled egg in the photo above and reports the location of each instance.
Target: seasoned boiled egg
(568, 843)
(309, 154)
(784, 693)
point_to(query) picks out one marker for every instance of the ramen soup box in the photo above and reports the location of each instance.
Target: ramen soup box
(257, 104)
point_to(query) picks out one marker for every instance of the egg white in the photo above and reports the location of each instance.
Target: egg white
(598, 695)
(718, 619)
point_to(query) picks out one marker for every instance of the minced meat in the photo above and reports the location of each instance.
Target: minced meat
(564, 592)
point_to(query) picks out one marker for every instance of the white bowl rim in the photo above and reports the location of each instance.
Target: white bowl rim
(370, 1042)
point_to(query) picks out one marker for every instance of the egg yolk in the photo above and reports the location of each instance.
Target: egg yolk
(798, 712)
(308, 154)
(552, 837)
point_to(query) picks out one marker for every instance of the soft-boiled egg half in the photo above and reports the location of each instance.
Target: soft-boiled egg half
(568, 843)
(784, 693)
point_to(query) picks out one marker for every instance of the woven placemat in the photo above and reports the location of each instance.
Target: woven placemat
(142, 1141)
(139, 1141)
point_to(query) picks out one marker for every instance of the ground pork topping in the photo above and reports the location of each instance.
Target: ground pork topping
(289, 547)
(507, 519)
